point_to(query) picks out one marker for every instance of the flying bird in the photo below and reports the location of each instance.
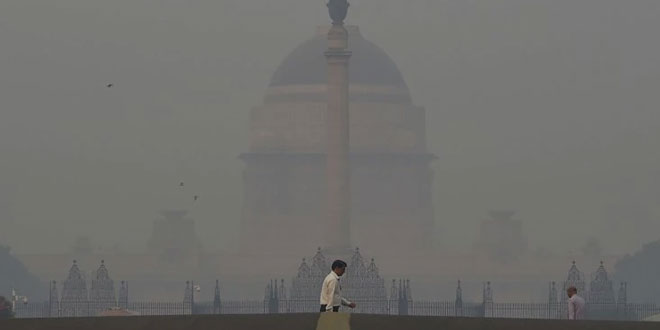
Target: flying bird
(181, 184)
(196, 197)
(109, 85)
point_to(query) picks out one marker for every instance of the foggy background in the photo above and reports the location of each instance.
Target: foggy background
(549, 108)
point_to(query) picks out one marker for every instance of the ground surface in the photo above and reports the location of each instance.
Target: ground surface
(328, 321)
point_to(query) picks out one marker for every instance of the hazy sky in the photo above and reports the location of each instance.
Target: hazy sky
(547, 107)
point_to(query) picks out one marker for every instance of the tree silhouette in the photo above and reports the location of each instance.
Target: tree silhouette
(14, 275)
(642, 271)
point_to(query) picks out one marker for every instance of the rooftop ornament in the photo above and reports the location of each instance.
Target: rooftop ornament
(338, 10)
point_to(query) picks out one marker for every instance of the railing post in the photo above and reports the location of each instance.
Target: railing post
(458, 302)
(403, 298)
(217, 303)
(271, 298)
(487, 307)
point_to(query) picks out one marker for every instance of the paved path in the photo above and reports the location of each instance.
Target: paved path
(334, 321)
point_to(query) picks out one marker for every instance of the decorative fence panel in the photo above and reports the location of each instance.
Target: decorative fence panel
(445, 308)
(632, 312)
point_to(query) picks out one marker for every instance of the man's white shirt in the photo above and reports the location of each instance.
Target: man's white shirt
(331, 292)
(576, 307)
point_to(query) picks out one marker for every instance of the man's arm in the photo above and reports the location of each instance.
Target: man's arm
(571, 310)
(348, 303)
(345, 302)
(332, 285)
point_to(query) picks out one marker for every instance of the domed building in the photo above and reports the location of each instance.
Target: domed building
(284, 176)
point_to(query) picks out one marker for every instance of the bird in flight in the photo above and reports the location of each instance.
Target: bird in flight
(181, 184)
(109, 85)
(196, 197)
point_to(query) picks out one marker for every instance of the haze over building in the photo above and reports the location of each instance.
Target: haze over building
(284, 177)
(557, 119)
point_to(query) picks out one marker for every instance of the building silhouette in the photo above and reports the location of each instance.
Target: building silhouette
(285, 167)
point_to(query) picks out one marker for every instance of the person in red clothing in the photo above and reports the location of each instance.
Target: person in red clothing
(5, 308)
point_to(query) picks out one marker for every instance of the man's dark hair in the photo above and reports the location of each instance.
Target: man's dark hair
(338, 264)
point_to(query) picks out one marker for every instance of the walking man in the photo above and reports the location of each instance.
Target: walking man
(575, 304)
(331, 298)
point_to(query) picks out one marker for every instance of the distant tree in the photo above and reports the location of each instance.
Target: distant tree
(642, 272)
(14, 275)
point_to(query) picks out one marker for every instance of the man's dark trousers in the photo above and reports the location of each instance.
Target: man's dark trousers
(334, 308)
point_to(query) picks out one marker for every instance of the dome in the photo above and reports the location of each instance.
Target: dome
(370, 65)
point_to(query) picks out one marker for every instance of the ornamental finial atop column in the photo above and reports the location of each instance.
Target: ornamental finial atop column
(338, 10)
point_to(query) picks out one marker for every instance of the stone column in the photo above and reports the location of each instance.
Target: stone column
(337, 135)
